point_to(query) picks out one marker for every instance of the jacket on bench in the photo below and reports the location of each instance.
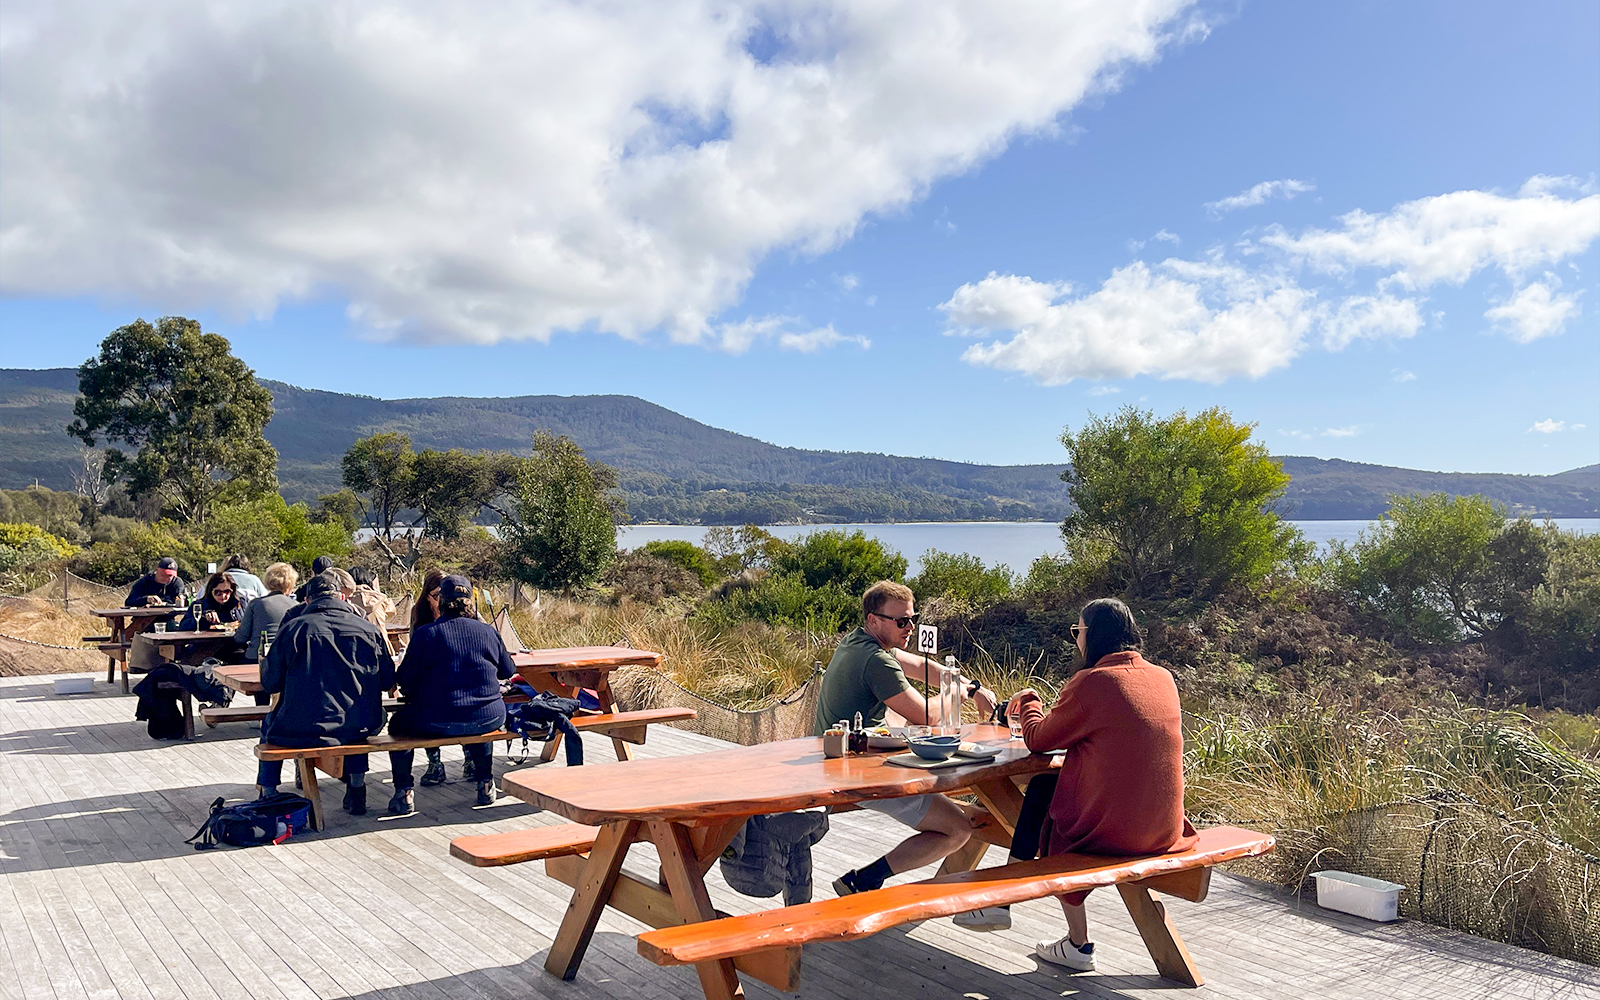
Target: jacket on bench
(330, 667)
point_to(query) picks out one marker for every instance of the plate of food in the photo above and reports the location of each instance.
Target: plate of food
(884, 738)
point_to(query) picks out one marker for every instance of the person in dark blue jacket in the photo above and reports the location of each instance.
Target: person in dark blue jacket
(332, 667)
(450, 680)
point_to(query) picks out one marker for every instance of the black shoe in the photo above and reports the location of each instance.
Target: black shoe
(485, 793)
(404, 802)
(434, 775)
(355, 801)
(845, 885)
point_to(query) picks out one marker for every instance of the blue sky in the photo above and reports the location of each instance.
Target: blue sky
(1027, 246)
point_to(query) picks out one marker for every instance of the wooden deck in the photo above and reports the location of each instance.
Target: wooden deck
(100, 898)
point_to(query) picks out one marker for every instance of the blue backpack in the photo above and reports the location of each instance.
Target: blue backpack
(271, 820)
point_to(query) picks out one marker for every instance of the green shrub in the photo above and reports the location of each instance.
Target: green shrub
(963, 577)
(128, 557)
(784, 600)
(852, 562)
(688, 555)
(1185, 505)
(23, 546)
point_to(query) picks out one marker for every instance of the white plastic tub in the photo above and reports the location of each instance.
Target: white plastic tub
(74, 685)
(1358, 895)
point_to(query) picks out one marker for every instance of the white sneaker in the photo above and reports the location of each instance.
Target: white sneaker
(989, 918)
(1067, 954)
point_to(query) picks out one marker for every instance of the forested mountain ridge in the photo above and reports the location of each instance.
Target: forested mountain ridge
(677, 469)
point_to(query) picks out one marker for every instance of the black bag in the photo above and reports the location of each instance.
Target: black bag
(542, 716)
(271, 820)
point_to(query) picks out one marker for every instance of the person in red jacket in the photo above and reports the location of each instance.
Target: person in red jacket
(1120, 787)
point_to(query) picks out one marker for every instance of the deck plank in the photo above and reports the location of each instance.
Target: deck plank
(108, 903)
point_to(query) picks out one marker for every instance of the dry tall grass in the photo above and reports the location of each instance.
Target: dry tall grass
(747, 667)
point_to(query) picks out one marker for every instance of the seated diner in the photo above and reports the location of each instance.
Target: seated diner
(450, 681)
(330, 667)
(1119, 790)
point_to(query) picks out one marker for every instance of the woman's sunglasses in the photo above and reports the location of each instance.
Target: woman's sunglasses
(222, 592)
(904, 621)
(1076, 630)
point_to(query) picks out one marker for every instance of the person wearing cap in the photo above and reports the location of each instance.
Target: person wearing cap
(450, 681)
(330, 668)
(321, 564)
(160, 586)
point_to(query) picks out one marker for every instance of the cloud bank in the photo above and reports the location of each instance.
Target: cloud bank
(478, 173)
(1221, 318)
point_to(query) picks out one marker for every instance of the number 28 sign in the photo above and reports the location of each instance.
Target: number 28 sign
(928, 639)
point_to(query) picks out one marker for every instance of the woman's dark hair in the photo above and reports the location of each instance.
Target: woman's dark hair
(363, 577)
(237, 561)
(221, 576)
(1111, 629)
(422, 611)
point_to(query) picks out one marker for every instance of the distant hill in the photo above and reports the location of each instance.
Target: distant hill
(677, 469)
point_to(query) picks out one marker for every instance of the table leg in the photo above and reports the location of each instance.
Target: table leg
(308, 787)
(111, 661)
(188, 715)
(608, 703)
(589, 901)
(681, 866)
(1160, 936)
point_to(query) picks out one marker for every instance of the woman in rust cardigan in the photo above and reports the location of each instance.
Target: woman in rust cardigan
(1120, 788)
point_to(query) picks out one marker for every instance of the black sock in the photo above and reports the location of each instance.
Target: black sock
(873, 875)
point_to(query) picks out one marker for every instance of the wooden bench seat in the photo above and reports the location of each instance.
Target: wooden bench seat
(495, 849)
(1185, 874)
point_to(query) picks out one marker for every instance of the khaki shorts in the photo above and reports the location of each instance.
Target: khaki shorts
(909, 809)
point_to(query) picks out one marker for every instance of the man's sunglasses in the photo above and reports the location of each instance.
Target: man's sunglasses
(904, 621)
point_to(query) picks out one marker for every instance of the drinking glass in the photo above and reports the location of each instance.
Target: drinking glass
(160, 626)
(1016, 728)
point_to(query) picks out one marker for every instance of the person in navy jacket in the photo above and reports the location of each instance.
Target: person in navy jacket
(450, 682)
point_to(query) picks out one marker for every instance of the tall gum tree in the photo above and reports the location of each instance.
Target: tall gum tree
(192, 413)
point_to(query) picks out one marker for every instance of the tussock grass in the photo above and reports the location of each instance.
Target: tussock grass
(745, 667)
(47, 622)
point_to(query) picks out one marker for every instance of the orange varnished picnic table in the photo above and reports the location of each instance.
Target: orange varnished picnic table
(692, 807)
(565, 669)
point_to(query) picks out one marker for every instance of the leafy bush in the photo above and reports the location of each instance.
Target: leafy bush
(60, 513)
(128, 557)
(1185, 505)
(963, 577)
(784, 600)
(563, 533)
(852, 562)
(23, 546)
(742, 548)
(687, 555)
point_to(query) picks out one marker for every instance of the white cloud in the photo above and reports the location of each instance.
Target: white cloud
(736, 338)
(1259, 194)
(847, 282)
(1577, 427)
(1162, 235)
(478, 173)
(1342, 432)
(1104, 390)
(1216, 319)
(1366, 317)
(1202, 321)
(1451, 237)
(1401, 375)
(1535, 311)
(1547, 427)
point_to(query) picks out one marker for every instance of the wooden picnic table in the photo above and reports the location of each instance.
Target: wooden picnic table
(692, 807)
(564, 670)
(125, 624)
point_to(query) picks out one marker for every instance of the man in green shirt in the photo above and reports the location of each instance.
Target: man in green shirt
(868, 675)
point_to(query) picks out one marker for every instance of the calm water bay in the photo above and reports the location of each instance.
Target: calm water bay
(1015, 543)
